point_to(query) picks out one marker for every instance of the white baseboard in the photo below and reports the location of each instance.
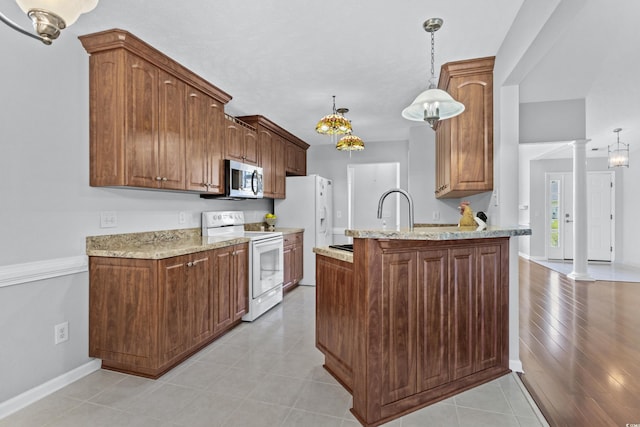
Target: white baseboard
(39, 270)
(14, 404)
(515, 365)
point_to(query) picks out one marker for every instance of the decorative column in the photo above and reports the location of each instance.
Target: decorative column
(580, 227)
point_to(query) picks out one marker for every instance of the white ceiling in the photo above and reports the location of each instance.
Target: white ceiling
(285, 60)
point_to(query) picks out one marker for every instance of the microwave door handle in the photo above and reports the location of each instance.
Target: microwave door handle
(254, 178)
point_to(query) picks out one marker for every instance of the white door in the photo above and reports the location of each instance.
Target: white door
(366, 183)
(560, 215)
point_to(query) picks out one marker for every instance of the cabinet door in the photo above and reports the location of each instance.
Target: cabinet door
(288, 262)
(233, 141)
(296, 160)
(298, 263)
(462, 311)
(171, 162)
(336, 315)
(241, 281)
(214, 125)
(251, 147)
(488, 307)
(141, 123)
(433, 319)
(223, 289)
(279, 166)
(266, 140)
(196, 141)
(399, 321)
(122, 311)
(472, 133)
(201, 287)
(175, 312)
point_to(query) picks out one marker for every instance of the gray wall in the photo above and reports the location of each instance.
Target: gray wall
(48, 209)
(417, 175)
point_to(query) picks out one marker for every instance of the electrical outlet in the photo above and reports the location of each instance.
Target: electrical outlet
(435, 215)
(108, 219)
(61, 331)
(338, 214)
(182, 218)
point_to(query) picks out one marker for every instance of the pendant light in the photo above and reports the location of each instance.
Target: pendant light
(50, 16)
(334, 123)
(618, 153)
(433, 104)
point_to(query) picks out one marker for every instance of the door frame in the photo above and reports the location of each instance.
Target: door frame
(562, 224)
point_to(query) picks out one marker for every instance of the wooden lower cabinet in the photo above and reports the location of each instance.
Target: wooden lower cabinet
(335, 317)
(413, 322)
(293, 260)
(146, 316)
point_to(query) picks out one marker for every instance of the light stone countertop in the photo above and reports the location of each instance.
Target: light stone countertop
(156, 244)
(289, 230)
(441, 233)
(334, 253)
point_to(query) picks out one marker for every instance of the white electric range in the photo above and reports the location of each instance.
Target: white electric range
(266, 268)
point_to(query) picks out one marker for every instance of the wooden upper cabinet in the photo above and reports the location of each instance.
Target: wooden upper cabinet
(204, 143)
(153, 123)
(274, 143)
(464, 144)
(296, 159)
(241, 142)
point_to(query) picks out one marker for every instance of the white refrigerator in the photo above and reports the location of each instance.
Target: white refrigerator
(308, 205)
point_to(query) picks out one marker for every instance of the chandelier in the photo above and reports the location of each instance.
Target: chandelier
(433, 104)
(335, 123)
(50, 16)
(618, 152)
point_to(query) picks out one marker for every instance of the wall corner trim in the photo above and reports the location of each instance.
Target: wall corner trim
(14, 404)
(38, 270)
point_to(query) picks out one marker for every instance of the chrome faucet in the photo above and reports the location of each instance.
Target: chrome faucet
(409, 199)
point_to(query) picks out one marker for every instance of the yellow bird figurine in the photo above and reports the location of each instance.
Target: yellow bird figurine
(467, 215)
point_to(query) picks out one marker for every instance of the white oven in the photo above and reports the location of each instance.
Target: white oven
(266, 259)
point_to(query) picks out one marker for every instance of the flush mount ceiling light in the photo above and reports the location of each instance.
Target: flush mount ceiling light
(335, 123)
(433, 104)
(618, 153)
(50, 16)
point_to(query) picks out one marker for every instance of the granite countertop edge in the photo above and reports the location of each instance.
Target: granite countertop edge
(334, 253)
(156, 244)
(441, 233)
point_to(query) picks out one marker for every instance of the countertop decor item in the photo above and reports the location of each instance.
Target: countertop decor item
(47, 22)
(433, 104)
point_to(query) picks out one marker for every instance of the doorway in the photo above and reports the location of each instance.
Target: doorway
(366, 183)
(600, 216)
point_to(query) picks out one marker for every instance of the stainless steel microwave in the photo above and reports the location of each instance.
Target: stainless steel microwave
(243, 180)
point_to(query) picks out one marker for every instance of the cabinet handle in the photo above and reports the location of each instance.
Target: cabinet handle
(193, 95)
(158, 178)
(164, 178)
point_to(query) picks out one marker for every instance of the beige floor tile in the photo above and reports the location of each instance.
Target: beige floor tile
(476, 418)
(278, 390)
(437, 415)
(488, 397)
(298, 418)
(323, 398)
(41, 413)
(208, 410)
(121, 394)
(257, 414)
(91, 385)
(164, 402)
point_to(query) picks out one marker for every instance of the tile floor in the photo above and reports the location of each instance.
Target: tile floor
(265, 373)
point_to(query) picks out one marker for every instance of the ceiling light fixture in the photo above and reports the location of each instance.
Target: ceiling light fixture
(350, 143)
(433, 104)
(335, 123)
(618, 153)
(50, 16)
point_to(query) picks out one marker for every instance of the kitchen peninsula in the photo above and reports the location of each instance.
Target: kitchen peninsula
(414, 317)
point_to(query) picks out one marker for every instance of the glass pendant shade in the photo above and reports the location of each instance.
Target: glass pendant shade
(350, 143)
(333, 124)
(433, 105)
(618, 153)
(68, 10)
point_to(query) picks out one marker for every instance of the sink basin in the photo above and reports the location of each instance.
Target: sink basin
(346, 247)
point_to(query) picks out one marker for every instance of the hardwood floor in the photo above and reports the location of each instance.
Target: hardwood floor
(580, 347)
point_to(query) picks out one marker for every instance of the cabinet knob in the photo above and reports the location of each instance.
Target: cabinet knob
(189, 264)
(164, 178)
(158, 178)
